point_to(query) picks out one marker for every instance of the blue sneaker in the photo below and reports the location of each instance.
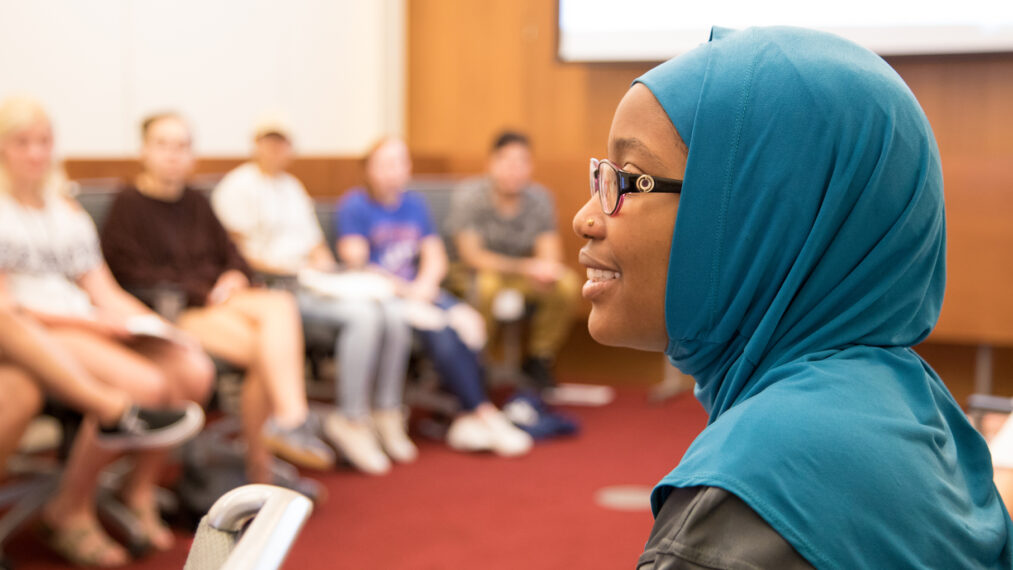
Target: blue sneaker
(528, 412)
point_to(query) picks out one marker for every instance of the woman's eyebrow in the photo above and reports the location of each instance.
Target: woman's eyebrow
(632, 144)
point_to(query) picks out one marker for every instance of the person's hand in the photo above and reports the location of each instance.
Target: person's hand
(109, 326)
(424, 291)
(229, 282)
(543, 272)
(181, 337)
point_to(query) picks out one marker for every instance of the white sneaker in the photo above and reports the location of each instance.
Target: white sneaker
(357, 442)
(507, 439)
(469, 433)
(390, 428)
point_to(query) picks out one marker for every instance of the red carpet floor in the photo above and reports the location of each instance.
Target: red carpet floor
(450, 510)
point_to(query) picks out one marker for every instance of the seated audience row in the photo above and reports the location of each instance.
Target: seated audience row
(73, 330)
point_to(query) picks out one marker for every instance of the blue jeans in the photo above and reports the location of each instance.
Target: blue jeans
(458, 366)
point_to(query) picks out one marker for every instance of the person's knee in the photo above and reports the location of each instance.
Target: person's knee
(397, 330)
(281, 301)
(487, 285)
(23, 398)
(364, 320)
(196, 375)
(148, 386)
(268, 304)
(441, 344)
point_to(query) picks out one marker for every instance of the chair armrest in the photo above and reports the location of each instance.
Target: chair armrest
(267, 520)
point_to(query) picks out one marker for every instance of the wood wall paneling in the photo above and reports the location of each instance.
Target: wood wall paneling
(475, 67)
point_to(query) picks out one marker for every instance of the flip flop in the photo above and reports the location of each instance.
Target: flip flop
(69, 544)
(146, 518)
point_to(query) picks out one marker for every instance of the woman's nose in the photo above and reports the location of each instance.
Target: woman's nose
(589, 221)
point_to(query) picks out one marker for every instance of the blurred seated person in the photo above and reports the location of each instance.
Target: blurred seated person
(51, 269)
(270, 216)
(161, 233)
(389, 229)
(504, 227)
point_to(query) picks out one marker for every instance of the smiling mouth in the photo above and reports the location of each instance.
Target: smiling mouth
(596, 275)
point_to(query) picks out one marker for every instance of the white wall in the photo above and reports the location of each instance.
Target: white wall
(334, 68)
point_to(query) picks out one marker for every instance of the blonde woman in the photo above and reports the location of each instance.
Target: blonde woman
(52, 269)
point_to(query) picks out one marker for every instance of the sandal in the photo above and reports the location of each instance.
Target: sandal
(150, 524)
(85, 545)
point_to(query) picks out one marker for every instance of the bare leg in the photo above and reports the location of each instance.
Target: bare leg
(189, 373)
(117, 365)
(279, 349)
(266, 335)
(23, 341)
(20, 401)
(72, 510)
(255, 410)
(228, 334)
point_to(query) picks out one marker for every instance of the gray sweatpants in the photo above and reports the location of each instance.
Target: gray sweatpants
(373, 342)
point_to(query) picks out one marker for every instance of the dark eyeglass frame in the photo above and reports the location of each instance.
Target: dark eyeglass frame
(627, 183)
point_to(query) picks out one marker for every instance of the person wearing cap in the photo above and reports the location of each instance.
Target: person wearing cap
(269, 214)
(265, 209)
(163, 234)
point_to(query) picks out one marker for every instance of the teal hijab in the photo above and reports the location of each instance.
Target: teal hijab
(808, 257)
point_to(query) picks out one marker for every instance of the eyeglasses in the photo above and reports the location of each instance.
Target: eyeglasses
(611, 184)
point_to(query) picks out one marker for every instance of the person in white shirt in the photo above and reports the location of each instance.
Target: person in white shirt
(270, 216)
(52, 272)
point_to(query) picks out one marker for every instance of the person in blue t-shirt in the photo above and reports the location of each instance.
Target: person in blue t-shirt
(390, 230)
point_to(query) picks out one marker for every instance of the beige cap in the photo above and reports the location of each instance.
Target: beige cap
(272, 125)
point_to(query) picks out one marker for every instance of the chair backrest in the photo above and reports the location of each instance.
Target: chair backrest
(96, 195)
(251, 528)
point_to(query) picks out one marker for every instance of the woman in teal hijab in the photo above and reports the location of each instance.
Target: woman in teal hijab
(789, 255)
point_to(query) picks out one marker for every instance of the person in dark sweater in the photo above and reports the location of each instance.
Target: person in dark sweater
(161, 235)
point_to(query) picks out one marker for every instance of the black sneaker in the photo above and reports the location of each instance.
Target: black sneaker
(147, 428)
(539, 370)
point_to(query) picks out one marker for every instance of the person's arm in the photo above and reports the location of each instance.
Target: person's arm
(432, 269)
(321, 258)
(474, 254)
(235, 272)
(228, 283)
(262, 267)
(7, 303)
(547, 266)
(107, 295)
(541, 270)
(353, 251)
(549, 247)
